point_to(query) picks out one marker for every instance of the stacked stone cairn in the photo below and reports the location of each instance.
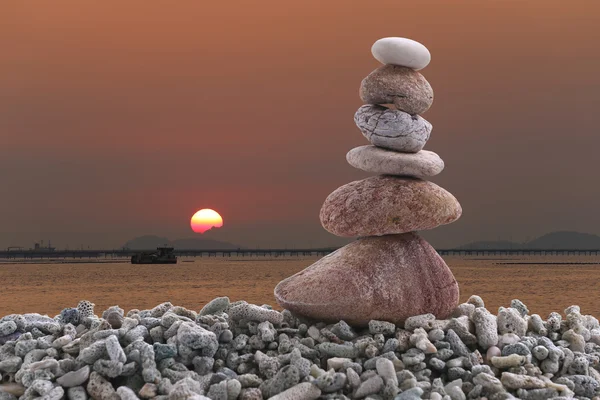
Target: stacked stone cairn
(390, 273)
(236, 350)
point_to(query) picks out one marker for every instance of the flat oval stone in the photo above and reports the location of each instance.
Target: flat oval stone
(387, 278)
(407, 89)
(387, 205)
(392, 129)
(401, 51)
(381, 161)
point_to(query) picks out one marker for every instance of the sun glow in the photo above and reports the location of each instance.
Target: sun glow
(206, 219)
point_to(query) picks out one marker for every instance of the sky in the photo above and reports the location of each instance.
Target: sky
(123, 119)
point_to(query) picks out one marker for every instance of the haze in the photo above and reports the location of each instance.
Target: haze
(119, 121)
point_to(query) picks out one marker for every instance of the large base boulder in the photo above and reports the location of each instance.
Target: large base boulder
(386, 278)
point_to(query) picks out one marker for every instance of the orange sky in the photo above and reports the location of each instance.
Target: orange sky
(122, 120)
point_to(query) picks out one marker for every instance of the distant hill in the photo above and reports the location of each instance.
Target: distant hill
(555, 240)
(151, 242)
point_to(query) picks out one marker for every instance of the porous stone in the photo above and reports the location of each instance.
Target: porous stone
(215, 306)
(7, 328)
(301, 391)
(387, 205)
(77, 393)
(85, 309)
(403, 87)
(387, 278)
(392, 129)
(486, 328)
(101, 389)
(381, 161)
(251, 312)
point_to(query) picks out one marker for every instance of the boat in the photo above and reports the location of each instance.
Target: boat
(41, 248)
(162, 255)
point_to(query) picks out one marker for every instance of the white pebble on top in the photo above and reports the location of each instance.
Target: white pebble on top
(401, 51)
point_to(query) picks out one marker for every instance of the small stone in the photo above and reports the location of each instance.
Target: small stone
(410, 394)
(100, 388)
(370, 386)
(515, 381)
(126, 393)
(457, 345)
(486, 328)
(215, 306)
(393, 129)
(401, 51)
(338, 350)
(7, 327)
(421, 341)
(284, 379)
(114, 350)
(148, 391)
(162, 351)
(505, 362)
(344, 331)
(385, 369)
(387, 328)
(108, 368)
(302, 391)
(511, 321)
(407, 89)
(74, 378)
(115, 319)
(77, 393)
(197, 338)
(253, 312)
(424, 321)
(251, 394)
(331, 382)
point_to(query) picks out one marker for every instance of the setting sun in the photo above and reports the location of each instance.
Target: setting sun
(205, 220)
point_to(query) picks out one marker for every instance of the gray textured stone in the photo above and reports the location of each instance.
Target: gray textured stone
(392, 129)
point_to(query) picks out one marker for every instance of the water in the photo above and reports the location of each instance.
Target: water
(545, 284)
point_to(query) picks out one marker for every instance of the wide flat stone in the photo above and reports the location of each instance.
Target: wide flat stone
(392, 129)
(387, 278)
(387, 205)
(401, 51)
(404, 87)
(381, 161)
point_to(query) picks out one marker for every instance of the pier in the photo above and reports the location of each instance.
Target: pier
(16, 253)
(124, 253)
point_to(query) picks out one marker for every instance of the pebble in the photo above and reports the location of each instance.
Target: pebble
(392, 129)
(252, 312)
(401, 51)
(215, 306)
(74, 378)
(99, 388)
(302, 391)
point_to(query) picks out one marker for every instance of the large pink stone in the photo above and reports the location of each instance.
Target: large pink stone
(384, 278)
(387, 205)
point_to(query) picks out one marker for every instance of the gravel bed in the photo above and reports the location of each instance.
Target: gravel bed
(243, 351)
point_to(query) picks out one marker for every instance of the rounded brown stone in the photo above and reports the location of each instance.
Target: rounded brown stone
(387, 278)
(407, 89)
(387, 205)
